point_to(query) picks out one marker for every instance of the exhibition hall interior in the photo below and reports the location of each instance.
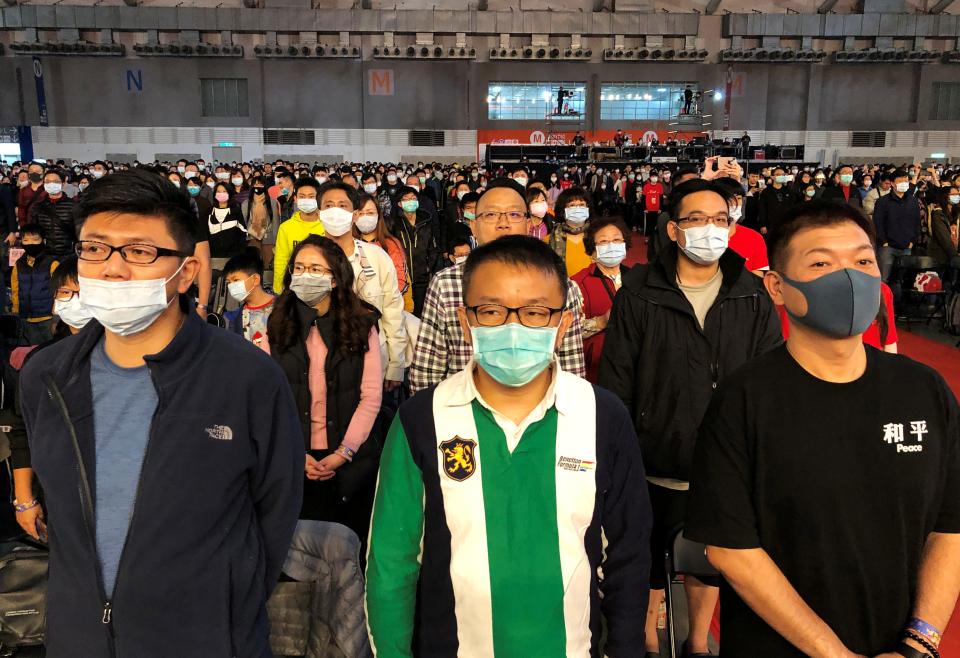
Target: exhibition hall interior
(479, 329)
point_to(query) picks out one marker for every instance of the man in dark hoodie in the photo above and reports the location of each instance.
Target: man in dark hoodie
(677, 327)
(170, 513)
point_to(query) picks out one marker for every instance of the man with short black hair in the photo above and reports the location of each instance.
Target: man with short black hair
(507, 488)
(774, 202)
(845, 192)
(897, 217)
(55, 215)
(677, 328)
(144, 478)
(304, 221)
(442, 349)
(826, 479)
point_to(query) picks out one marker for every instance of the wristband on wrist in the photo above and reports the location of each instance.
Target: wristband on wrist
(923, 642)
(345, 452)
(23, 507)
(921, 627)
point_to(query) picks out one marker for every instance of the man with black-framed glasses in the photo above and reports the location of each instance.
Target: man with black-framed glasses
(677, 327)
(505, 490)
(170, 512)
(442, 348)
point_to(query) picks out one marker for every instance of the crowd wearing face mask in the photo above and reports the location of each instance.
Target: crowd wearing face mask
(472, 407)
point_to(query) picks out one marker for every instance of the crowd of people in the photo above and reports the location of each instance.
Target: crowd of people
(474, 374)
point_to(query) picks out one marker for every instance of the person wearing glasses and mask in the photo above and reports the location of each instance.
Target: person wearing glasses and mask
(325, 339)
(677, 328)
(573, 213)
(142, 477)
(442, 348)
(504, 490)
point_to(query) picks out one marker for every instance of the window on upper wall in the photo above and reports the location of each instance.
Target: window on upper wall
(945, 101)
(656, 101)
(519, 101)
(224, 97)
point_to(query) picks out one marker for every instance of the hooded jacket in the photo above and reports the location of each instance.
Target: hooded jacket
(665, 368)
(216, 504)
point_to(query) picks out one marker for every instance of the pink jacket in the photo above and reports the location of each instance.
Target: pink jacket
(371, 392)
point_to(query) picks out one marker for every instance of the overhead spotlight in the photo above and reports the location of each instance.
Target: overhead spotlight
(643, 53)
(588, 53)
(202, 49)
(681, 54)
(513, 53)
(703, 53)
(579, 53)
(173, 48)
(628, 54)
(761, 54)
(775, 55)
(900, 55)
(411, 51)
(567, 52)
(618, 54)
(438, 51)
(656, 54)
(528, 52)
(376, 50)
(424, 51)
(668, 54)
(787, 54)
(554, 52)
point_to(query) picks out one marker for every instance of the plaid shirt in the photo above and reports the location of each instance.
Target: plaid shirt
(442, 349)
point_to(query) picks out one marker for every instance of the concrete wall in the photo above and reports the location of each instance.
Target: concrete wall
(451, 95)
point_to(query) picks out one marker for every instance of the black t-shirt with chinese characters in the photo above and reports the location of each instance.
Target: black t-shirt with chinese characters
(839, 483)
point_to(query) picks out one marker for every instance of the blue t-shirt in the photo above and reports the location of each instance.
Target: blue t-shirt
(124, 400)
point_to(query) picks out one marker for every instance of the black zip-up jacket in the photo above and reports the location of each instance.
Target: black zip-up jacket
(216, 504)
(56, 218)
(420, 244)
(665, 368)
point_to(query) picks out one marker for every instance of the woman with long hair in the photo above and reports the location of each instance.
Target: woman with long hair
(260, 214)
(325, 339)
(225, 226)
(368, 225)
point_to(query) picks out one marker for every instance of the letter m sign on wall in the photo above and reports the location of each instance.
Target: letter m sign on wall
(380, 82)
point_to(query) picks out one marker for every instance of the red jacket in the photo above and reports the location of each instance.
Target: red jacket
(27, 197)
(598, 292)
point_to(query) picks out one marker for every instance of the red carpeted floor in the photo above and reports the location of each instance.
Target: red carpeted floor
(944, 358)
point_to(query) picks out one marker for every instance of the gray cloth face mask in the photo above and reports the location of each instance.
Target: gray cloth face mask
(842, 303)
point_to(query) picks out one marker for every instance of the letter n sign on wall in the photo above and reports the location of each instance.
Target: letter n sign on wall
(380, 82)
(134, 81)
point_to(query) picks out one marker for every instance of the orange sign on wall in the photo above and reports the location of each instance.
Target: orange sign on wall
(380, 82)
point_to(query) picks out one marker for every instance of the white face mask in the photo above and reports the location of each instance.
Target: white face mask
(370, 188)
(459, 260)
(336, 221)
(903, 188)
(576, 215)
(97, 173)
(611, 255)
(311, 289)
(72, 312)
(521, 180)
(181, 170)
(462, 193)
(538, 209)
(126, 307)
(736, 213)
(705, 244)
(237, 182)
(238, 289)
(367, 223)
(322, 179)
(306, 206)
(53, 189)
(222, 175)
(391, 178)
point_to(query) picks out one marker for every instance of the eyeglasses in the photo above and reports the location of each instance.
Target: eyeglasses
(65, 294)
(608, 242)
(495, 315)
(513, 216)
(703, 220)
(316, 270)
(135, 254)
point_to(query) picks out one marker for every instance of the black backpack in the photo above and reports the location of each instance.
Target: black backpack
(23, 592)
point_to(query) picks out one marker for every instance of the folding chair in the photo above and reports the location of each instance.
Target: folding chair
(683, 558)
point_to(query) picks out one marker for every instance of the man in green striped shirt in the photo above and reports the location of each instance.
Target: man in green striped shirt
(511, 512)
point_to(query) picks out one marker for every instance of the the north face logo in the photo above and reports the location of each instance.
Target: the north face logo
(220, 433)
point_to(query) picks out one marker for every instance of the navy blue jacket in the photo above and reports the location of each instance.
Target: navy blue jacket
(216, 506)
(897, 220)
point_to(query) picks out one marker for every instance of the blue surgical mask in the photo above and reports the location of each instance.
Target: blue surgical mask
(513, 354)
(576, 214)
(846, 179)
(842, 303)
(611, 255)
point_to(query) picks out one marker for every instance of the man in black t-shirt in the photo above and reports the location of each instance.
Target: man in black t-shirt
(826, 477)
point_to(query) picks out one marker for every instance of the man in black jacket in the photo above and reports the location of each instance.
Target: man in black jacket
(54, 214)
(897, 217)
(677, 327)
(170, 513)
(845, 192)
(775, 200)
